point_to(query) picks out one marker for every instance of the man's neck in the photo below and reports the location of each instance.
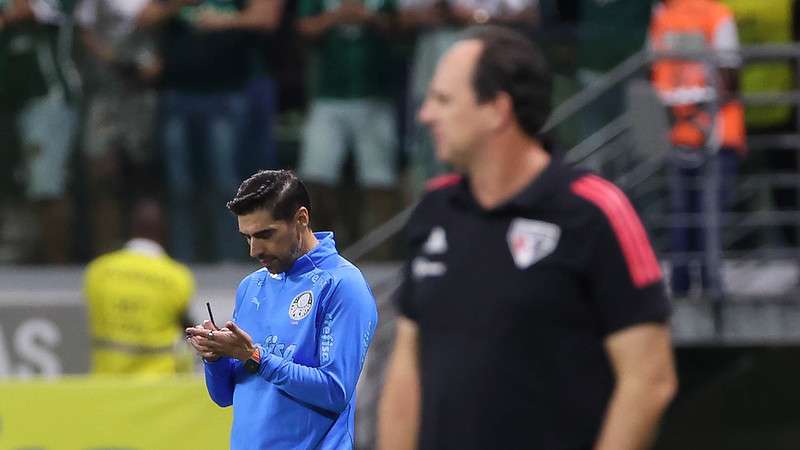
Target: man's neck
(506, 169)
(309, 242)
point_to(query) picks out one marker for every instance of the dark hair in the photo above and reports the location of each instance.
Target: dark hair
(147, 220)
(512, 63)
(277, 191)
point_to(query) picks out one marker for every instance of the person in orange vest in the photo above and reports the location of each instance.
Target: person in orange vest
(707, 120)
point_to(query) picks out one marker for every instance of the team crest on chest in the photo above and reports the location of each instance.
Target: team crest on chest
(301, 305)
(531, 240)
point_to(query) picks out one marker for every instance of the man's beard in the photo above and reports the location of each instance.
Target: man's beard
(295, 251)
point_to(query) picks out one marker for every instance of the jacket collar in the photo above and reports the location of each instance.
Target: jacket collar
(323, 250)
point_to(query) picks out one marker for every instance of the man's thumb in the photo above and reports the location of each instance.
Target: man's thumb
(233, 327)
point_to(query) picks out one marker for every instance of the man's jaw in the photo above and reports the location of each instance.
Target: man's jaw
(265, 261)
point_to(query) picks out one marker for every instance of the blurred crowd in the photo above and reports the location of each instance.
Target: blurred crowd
(103, 102)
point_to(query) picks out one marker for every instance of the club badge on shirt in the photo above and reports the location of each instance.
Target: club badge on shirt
(531, 240)
(301, 305)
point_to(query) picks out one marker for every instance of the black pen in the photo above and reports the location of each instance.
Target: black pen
(211, 315)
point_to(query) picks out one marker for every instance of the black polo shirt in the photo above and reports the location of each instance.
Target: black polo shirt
(513, 305)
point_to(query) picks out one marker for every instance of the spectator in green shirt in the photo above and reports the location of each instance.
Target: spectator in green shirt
(436, 24)
(206, 49)
(609, 31)
(39, 87)
(351, 105)
(118, 131)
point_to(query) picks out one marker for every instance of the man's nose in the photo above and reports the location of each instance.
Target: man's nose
(424, 113)
(255, 248)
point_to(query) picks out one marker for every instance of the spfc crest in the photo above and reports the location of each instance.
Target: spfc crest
(301, 305)
(531, 240)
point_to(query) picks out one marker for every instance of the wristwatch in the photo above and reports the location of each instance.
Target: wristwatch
(254, 362)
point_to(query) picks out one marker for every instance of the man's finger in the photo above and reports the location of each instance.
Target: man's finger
(195, 331)
(196, 327)
(197, 340)
(202, 343)
(200, 348)
(238, 331)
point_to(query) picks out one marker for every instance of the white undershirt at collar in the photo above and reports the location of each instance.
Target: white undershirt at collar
(145, 246)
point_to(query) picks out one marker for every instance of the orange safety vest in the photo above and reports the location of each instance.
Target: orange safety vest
(684, 85)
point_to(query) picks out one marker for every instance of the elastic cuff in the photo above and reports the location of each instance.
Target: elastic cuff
(224, 361)
(269, 363)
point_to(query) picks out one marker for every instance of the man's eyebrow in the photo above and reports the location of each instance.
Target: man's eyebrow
(438, 94)
(259, 233)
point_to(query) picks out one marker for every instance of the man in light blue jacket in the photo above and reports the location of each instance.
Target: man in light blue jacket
(290, 369)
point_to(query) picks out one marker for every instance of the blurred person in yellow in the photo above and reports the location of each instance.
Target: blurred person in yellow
(138, 298)
(773, 22)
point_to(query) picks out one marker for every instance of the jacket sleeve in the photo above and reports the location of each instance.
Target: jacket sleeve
(348, 323)
(220, 380)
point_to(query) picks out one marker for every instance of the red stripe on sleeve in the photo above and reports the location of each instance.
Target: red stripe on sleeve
(639, 256)
(442, 181)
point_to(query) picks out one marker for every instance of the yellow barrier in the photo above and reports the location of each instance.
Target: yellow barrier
(95, 413)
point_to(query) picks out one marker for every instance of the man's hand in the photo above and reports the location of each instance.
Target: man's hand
(353, 13)
(197, 336)
(230, 341)
(150, 72)
(156, 12)
(212, 20)
(182, 3)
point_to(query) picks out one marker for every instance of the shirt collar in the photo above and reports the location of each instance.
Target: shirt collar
(325, 248)
(144, 246)
(536, 190)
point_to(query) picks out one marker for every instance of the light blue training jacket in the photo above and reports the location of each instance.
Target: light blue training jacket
(312, 325)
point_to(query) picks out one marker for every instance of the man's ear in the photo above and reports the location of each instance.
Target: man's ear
(504, 108)
(499, 111)
(302, 216)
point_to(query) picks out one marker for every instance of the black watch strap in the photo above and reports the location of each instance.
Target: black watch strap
(254, 362)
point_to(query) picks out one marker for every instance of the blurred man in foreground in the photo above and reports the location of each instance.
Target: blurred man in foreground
(550, 329)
